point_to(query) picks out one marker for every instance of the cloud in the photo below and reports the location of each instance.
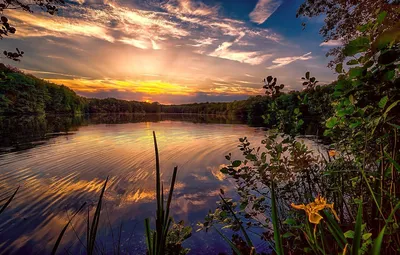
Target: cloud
(203, 42)
(332, 43)
(189, 7)
(263, 10)
(287, 60)
(248, 57)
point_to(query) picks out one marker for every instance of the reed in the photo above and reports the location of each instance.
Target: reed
(156, 239)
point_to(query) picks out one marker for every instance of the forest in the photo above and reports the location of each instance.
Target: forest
(26, 94)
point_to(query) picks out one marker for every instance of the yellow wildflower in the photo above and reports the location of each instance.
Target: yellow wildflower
(312, 209)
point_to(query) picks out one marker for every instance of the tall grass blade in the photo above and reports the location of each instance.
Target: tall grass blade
(357, 231)
(248, 240)
(171, 191)
(376, 248)
(8, 201)
(95, 222)
(335, 230)
(148, 236)
(60, 236)
(156, 246)
(232, 245)
(275, 222)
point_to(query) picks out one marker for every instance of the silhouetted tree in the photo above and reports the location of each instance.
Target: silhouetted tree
(49, 6)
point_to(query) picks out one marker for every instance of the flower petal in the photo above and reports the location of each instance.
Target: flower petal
(314, 218)
(298, 207)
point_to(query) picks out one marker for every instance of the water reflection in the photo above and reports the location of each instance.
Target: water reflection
(61, 162)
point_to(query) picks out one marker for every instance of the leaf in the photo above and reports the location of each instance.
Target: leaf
(289, 222)
(388, 57)
(234, 248)
(60, 236)
(352, 62)
(224, 170)
(351, 99)
(391, 160)
(349, 234)
(394, 125)
(307, 75)
(339, 68)
(356, 46)
(366, 236)
(357, 230)
(355, 72)
(353, 125)
(236, 163)
(275, 222)
(376, 248)
(9, 201)
(389, 75)
(386, 38)
(331, 122)
(390, 108)
(381, 17)
(287, 235)
(382, 103)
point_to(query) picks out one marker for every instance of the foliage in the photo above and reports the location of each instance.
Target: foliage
(359, 177)
(346, 20)
(48, 6)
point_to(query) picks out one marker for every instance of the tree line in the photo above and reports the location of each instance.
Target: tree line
(26, 94)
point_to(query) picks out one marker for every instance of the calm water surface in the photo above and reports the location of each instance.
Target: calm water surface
(61, 162)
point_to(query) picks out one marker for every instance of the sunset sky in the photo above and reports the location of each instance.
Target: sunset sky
(177, 51)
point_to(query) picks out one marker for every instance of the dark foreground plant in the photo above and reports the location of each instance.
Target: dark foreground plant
(157, 240)
(9, 199)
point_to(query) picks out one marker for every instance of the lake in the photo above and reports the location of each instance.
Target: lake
(62, 162)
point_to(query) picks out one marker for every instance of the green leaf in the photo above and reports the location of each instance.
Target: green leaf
(236, 163)
(275, 222)
(352, 62)
(349, 234)
(391, 160)
(355, 124)
(355, 72)
(289, 221)
(224, 170)
(339, 68)
(376, 248)
(287, 235)
(389, 75)
(308, 75)
(382, 103)
(356, 46)
(390, 108)
(381, 17)
(331, 122)
(357, 231)
(366, 236)
(234, 248)
(394, 125)
(364, 27)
